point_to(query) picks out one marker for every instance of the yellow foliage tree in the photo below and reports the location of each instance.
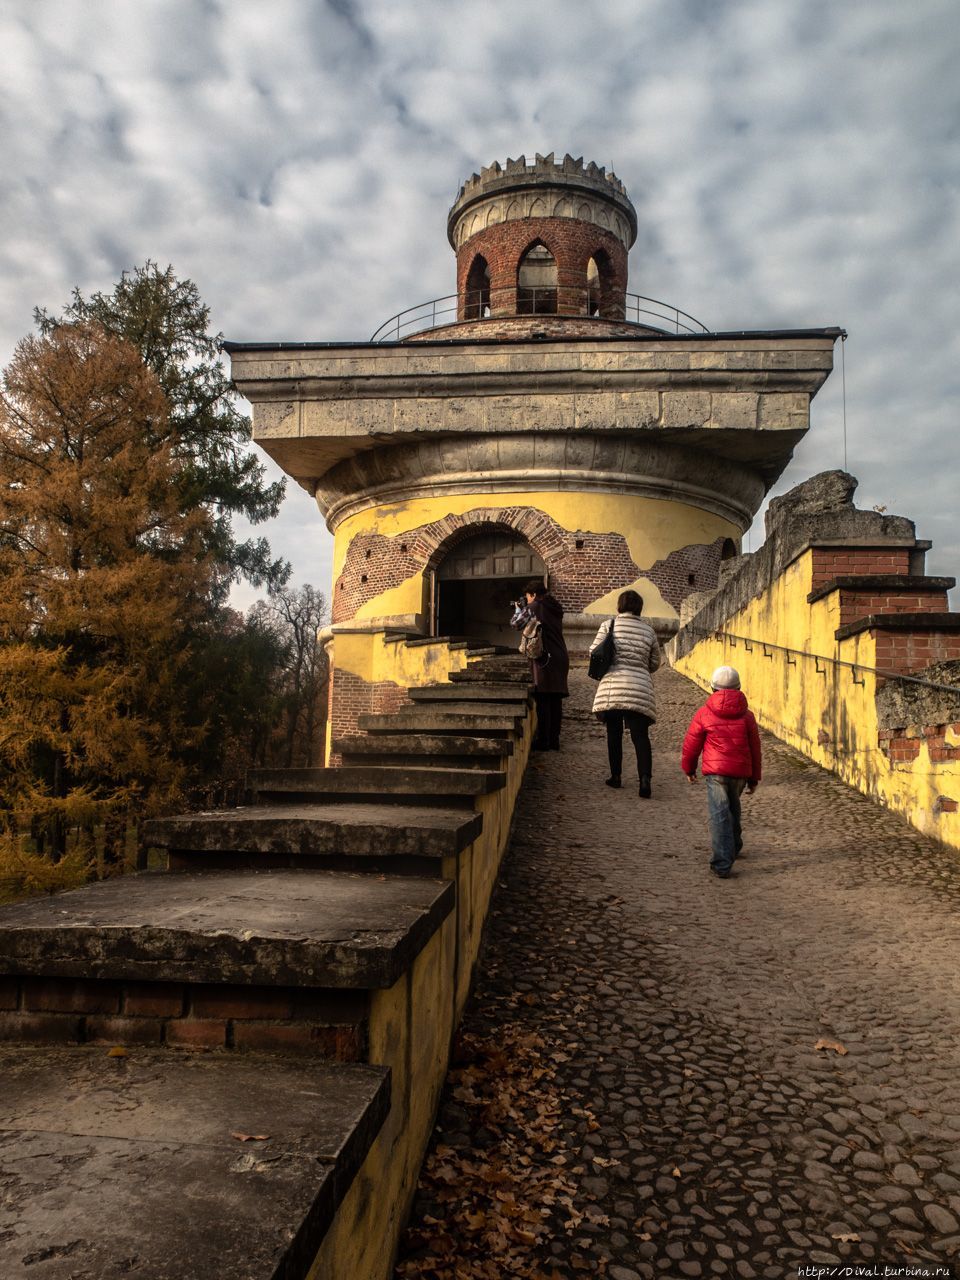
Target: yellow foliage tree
(103, 573)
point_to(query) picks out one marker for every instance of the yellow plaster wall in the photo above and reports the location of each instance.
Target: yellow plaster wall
(827, 714)
(652, 527)
(410, 1029)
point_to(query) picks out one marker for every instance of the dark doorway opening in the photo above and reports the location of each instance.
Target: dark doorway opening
(477, 583)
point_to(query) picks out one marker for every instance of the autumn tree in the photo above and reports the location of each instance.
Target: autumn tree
(204, 430)
(105, 565)
(294, 616)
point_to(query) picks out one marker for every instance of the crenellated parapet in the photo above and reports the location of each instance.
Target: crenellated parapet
(544, 189)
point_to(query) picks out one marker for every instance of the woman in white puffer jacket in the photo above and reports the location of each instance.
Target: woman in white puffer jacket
(625, 694)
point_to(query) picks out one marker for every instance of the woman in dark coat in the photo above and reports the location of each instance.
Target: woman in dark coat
(550, 670)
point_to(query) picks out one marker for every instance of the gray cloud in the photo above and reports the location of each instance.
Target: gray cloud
(792, 165)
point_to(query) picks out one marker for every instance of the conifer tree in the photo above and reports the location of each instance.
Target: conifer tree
(104, 570)
(166, 321)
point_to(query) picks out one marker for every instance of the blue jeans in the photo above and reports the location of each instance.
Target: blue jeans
(723, 811)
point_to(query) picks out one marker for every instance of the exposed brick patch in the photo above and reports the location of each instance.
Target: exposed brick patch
(944, 804)
(688, 570)
(582, 566)
(900, 749)
(351, 696)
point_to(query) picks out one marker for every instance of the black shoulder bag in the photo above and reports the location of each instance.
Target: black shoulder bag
(601, 660)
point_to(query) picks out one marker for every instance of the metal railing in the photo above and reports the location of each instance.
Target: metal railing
(540, 300)
(749, 642)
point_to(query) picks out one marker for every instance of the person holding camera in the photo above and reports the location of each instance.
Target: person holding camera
(549, 670)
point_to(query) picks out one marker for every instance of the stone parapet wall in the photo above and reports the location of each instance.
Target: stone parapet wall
(827, 686)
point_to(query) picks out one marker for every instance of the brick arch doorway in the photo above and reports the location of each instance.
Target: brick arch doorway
(476, 580)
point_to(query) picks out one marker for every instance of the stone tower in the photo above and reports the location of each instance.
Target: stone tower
(542, 421)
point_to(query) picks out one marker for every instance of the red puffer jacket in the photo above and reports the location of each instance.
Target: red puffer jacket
(725, 731)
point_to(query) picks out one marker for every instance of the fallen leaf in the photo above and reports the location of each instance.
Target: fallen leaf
(250, 1137)
(835, 1045)
(675, 1172)
(117, 1052)
(850, 1237)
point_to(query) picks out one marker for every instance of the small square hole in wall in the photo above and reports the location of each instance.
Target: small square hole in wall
(691, 579)
(403, 548)
(579, 544)
(366, 554)
(363, 577)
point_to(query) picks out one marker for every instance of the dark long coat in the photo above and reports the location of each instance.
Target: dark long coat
(550, 671)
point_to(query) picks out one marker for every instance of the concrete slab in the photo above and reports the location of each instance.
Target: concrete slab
(482, 691)
(429, 745)
(272, 928)
(375, 780)
(436, 719)
(356, 829)
(130, 1166)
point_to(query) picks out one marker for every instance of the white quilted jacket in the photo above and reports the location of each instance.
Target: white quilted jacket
(627, 685)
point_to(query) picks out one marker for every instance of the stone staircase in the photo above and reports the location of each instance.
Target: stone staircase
(318, 945)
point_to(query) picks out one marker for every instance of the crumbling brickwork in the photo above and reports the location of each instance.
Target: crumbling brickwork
(351, 697)
(582, 566)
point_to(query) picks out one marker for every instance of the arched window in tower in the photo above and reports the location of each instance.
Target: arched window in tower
(476, 303)
(599, 274)
(537, 282)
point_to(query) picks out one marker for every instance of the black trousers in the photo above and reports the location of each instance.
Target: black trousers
(638, 726)
(549, 719)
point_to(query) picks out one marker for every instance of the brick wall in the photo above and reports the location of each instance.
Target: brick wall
(268, 1019)
(860, 604)
(572, 241)
(351, 696)
(907, 651)
(838, 562)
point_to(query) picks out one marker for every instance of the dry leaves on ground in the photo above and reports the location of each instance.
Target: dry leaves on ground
(499, 1205)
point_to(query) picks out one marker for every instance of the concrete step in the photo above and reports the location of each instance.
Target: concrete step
(289, 928)
(504, 677)
(152, 1169)
(278, 785)
(424, 750)
(437, 718)
(480, 691)
(362, 836)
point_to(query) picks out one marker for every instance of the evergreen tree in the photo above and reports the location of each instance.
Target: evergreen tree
(164, 318)
(104, 571)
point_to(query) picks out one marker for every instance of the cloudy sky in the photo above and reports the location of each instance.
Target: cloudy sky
(792, 164)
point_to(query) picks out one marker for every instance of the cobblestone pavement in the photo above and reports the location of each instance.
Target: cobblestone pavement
(682, 1013)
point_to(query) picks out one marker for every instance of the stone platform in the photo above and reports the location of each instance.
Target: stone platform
(99, 1156)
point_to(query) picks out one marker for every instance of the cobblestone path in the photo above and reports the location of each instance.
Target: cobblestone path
(701, 1132)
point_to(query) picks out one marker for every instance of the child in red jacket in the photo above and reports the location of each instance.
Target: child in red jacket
(726, 732)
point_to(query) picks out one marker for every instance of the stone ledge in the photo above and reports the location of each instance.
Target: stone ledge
(277, 928)
(117, 1165)
(947, 622)
(312, 830)
(907, 584)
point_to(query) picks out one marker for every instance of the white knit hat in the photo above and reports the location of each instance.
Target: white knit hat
(725, 678)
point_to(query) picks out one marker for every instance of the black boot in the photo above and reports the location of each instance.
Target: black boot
(645, 788)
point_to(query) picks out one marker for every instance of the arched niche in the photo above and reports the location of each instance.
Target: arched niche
(537, 282)
(476, 301)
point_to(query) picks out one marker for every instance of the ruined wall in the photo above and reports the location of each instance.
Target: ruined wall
(815, 678)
